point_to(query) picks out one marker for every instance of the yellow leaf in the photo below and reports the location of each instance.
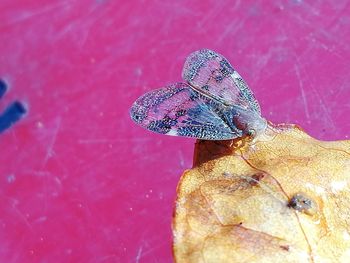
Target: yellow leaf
(283, 197)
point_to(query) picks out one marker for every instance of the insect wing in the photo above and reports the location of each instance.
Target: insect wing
(211, 74)
(179, 110)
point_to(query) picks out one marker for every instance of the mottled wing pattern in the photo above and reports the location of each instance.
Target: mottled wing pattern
(179, 110)
(212, 74)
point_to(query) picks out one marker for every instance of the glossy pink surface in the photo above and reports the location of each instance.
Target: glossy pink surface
(79, 182)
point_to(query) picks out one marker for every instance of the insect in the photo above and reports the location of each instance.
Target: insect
(215, 103)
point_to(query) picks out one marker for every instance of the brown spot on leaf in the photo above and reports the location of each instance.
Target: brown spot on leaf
(285, 247)
(256, 178)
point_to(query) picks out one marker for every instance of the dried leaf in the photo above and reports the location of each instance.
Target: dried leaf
(282, 198)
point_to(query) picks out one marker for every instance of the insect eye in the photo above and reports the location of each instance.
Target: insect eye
(251, 132)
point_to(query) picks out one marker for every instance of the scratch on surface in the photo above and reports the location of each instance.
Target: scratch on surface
(209, 17)
(301, 86)
(139, 254)
(52, 185)
(230, 29)
(82, 32)
(324, 108)
(49, 151)
(40, 220)
(20, 214)
(27, 14)
(108, 258)
(322, 104)
(182, 159)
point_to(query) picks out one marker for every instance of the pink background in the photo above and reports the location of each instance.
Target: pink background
(79, 182)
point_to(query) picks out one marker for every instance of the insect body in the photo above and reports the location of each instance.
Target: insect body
(214, 104)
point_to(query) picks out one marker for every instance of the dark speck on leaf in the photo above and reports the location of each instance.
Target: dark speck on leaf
(302, 203)
(285, 247)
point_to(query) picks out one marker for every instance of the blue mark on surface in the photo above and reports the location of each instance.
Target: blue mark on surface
(3, 88)
(11, 115)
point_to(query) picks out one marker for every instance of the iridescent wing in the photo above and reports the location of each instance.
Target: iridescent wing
(179, 110)
(211, 74)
